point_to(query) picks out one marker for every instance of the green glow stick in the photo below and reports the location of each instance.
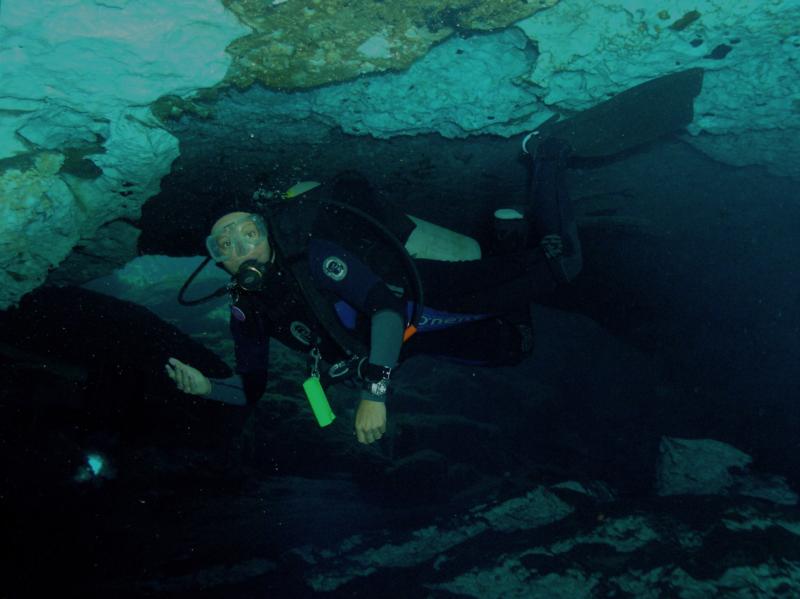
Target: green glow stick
(318, 400)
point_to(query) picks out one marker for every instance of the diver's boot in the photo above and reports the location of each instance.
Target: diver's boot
(551, 210)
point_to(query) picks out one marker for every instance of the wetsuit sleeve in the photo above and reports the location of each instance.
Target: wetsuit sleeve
(386, 340)
(230, 390)
(252, 361)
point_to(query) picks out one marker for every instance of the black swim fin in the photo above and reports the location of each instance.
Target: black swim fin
(638, 115)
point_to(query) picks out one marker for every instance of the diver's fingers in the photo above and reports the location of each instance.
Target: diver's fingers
(185, 380)
(175, 370)
(361, 436)
(176, 362)
(179, 378)
(181, 367)
(366, 436)
(190, 372)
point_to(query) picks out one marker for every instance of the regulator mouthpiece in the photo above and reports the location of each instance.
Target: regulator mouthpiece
(250, 275)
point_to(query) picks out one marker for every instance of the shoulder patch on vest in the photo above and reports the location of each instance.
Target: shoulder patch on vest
(334, 267)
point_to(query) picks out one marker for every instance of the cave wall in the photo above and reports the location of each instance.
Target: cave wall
(85, 134)
(79, 146)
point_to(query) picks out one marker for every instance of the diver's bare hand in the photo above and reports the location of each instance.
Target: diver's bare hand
(370, 421)
(187, 379)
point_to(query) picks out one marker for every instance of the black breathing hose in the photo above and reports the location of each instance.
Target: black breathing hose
(218, 293)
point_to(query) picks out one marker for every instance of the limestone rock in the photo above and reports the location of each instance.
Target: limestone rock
(83, 76)
(709, 467)
(112, 245)
(592, 50)
(39, 220)
(465, 86)
(298, 44)
(538, 545)
(533, 510)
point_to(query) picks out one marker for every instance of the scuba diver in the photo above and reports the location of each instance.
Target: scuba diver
(359, 288)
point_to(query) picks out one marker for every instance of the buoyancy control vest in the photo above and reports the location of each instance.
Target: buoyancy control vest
(294, 224)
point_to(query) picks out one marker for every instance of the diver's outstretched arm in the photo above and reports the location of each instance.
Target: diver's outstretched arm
(190, 380)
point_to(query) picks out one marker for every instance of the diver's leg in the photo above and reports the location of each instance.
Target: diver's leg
(490, 342)
(492, 285)
(550, 210)
(510, 229)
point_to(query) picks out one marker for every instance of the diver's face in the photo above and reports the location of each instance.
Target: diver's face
(238, 237)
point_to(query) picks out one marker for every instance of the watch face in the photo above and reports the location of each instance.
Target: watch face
(379, 388)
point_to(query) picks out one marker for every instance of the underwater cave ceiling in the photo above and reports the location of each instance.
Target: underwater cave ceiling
(296, 45)
(99, 98)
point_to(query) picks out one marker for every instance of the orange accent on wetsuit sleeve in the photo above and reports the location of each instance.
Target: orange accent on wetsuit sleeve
(410, 330)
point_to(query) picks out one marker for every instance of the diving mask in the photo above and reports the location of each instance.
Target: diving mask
(236, 239)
